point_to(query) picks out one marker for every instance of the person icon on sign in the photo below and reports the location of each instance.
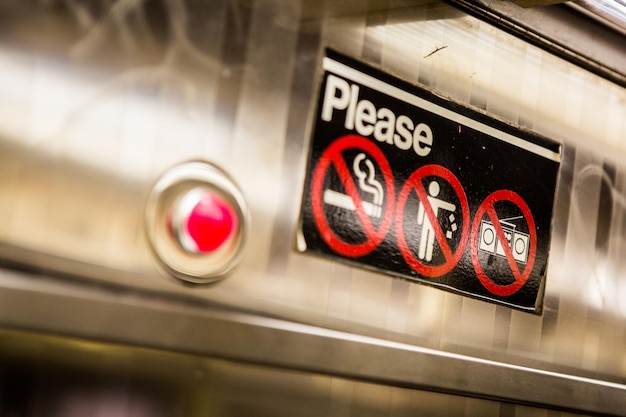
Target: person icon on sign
(427, 240)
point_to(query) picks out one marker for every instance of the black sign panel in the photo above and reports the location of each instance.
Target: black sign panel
(405, 182)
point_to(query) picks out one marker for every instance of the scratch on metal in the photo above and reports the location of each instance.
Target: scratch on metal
(437, 49)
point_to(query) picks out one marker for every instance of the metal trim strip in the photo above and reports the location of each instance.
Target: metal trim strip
(559, 30)
(87, 312)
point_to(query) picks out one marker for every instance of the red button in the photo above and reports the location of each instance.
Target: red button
(211, 222)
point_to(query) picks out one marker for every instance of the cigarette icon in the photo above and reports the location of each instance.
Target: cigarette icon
(334, 198)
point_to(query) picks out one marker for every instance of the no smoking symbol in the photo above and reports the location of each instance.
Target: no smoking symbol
(321, 198)
(431, 206)
(498, 236)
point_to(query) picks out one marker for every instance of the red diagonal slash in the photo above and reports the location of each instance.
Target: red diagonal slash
(434, 221)
(491, 211)
(348, 183)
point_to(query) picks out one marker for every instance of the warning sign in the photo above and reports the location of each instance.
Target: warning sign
(404, 182)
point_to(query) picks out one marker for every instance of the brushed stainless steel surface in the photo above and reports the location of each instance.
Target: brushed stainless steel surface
(100, 100)
(199, 329)
(125, 381)
(609, 13)
(562, 30)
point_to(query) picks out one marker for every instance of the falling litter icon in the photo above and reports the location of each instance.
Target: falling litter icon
(453, 226)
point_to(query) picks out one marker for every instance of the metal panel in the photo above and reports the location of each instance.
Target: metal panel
(562, 30)
(199, 329)
(98, 102)
(123, 381)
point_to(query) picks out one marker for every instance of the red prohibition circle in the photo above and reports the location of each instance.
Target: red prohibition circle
(451, 257)
(333, 156)
(487, 207)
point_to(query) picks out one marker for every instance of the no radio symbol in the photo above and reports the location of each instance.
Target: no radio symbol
(499, 237)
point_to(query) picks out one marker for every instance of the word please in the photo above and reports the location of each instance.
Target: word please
(366, 119)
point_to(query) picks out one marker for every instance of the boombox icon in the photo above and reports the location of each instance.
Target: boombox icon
(518, 242)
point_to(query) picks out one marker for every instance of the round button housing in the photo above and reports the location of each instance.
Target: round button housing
(196, 222)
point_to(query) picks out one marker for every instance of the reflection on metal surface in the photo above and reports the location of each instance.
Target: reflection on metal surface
(608, 12)
(561, 31)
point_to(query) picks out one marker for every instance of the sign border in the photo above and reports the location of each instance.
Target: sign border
(532, 143)
(520, 140)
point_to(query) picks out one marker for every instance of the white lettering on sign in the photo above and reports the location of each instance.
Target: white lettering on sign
(366, 119)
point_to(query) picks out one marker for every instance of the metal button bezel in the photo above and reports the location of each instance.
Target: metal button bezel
(166, 195)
